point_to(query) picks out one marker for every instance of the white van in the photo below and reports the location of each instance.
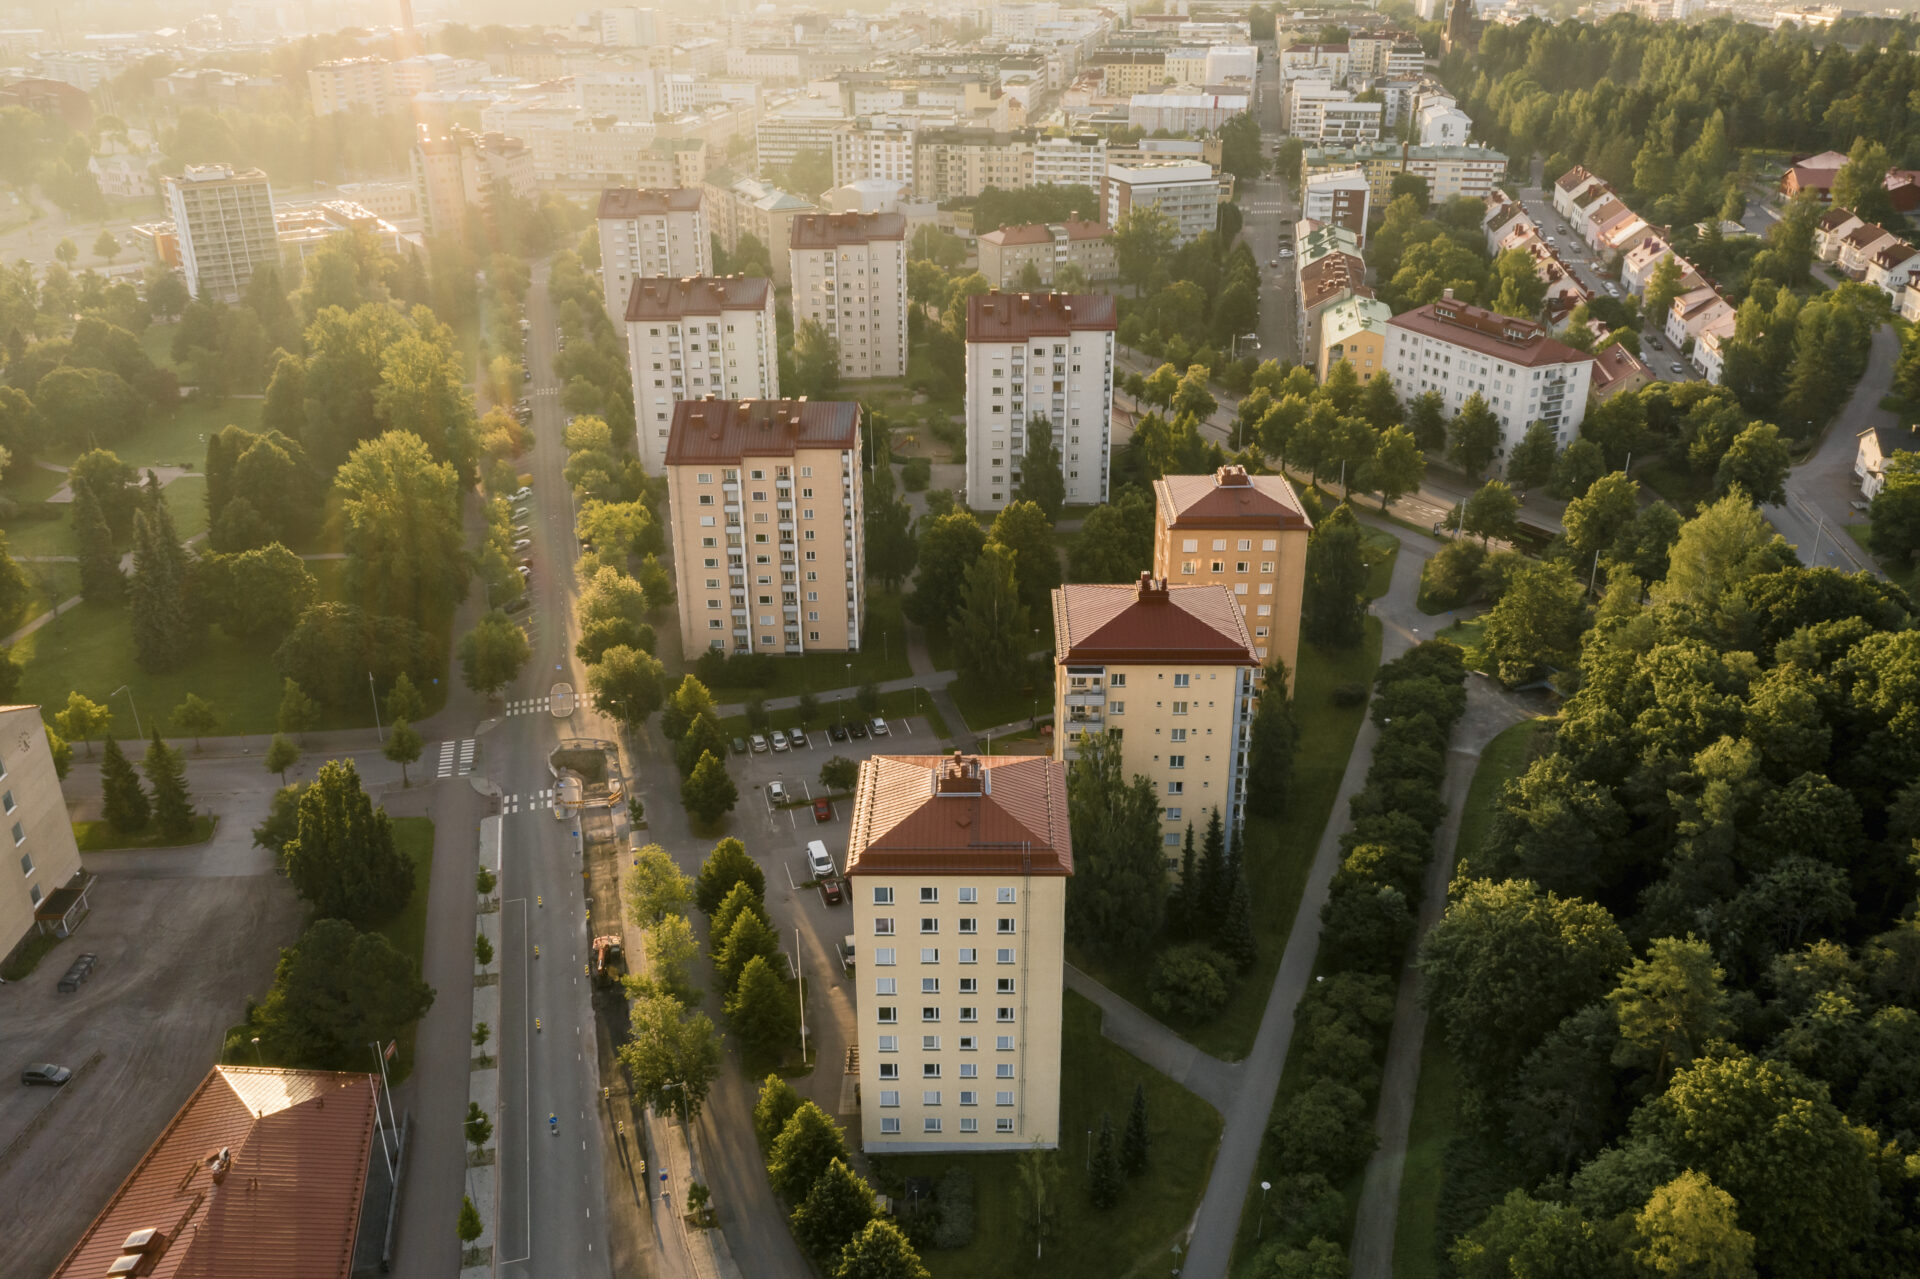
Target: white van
(819, 860)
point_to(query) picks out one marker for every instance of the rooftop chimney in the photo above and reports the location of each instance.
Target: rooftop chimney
(1152, 590)
(1232, 477)
(961, 775)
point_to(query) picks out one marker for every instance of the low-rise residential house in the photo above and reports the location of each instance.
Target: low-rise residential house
(1692, 312)
(1616, 369)
(1585, 205)
(1858, 246)
(1599, 217)
(1505, 216)
(1877, 446)
(1570, 186)
(1892, 268)
(1910, 305)
(1639, 263)
(1903, 188)
(1710, 352)
(1831, 231)
(1813, 173)
(1354, 329)
(1622, 235)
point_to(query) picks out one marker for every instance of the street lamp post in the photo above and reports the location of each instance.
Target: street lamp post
(1265, 1186)
(258, 1059)
(131, 705)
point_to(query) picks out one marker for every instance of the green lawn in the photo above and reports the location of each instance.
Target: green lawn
(1906, 576)
(413, 838)
(38, 537)
(1134, 1238)
(1278, 853)
(29, 484)
(990, 707)
(157, 341)
(882, 656)
(187, 502)
(1468, 635)
(96, 837)
(47, 585)
(1416, 1248)
(1382, 549)
(1504, 758)
(176, 440)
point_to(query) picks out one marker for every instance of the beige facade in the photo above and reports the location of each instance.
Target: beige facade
(691, 338)
(768, 518)
(952, 164)
(748, 206)
(650, 234)
(347, 83)
(850, 275)
(34, 811)
(1247, 533)
(224, 219)
(460, 170)
(1125, 74)
(1087, 246)
(1171, 671)
(957, 866)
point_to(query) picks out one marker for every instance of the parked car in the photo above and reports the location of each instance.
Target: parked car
(522, 543)
(522, 494)
(519, 605)
(1677, 368)
(880, 727)
(822, 810)
(776, 793)
(819, 860)
(858, 731)
(1275, 262)
(78, 972)
(798, 740)
(1286, 253)
(830, 892)
(1613, 290)
(838, 732)
(758, 743)
(779, 740)
(1654, 342)
(525, 570)
(49, 1075)
(520, 512)
(739, 745)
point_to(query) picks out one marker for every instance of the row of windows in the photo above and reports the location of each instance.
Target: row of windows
(932, 1124)
(1245, 544)
(889, 1014)
(931, 1070)
(887, 956)
(890, 1098)
(1005, 925)
(931, 1044)
(931, 986)
(930, 895)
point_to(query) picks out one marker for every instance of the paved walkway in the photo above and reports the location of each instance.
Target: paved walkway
(1207, 1077)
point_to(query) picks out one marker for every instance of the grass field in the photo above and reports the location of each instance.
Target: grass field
(990, 707)
(413, 838)
(177, 440)
(1469, 635)
(1504, 758)
(1135, 1238)
(157, 341)
(1278, 853)
(97, 837)
(1382, 549)
(1905, 576)
(882, 656)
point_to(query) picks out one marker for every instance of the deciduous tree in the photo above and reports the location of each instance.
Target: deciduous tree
(762, 1011)
(1117, 896)
(343, 860)
(492, 653)
(709, 793)
(726, 866)
(334, 992)
(671, 1055)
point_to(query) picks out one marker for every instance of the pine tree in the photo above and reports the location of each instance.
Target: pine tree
(1135, 1142)
(837, 1207)
(100, 579)
(162, 616)
(1235, 937)
(172, 805)
(1181, 916)
(126, 807)
(762, 1011)
(1105, 1185)
(1211, 898)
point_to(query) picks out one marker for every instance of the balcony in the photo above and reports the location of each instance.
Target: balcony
(1085, 720)
(1086, 699)
(786, 525)
(784, 504)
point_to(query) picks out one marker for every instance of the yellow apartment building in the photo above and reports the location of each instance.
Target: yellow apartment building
(957, 866)
(767, 515)
(1170, 671)
(1355, 330)
(1247, 533)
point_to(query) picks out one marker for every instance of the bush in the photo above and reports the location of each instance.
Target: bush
(1324, 1129)
(955, 1196)
(916, 474)
(1451, 576)
(1349, 694)
(1364, 925)
(1191, 982)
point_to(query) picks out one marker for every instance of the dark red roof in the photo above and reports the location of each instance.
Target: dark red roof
(626, 202)
(1150, 622)
(1230, 496)
(1572, 178)
(665, 298)
(260, 1173)
(712, 430)
(1015, 317)
(1504, 337)
(831, 230)
(961, 814)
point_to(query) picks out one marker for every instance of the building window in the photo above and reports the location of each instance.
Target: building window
(885, 986)
(1004, 986)
(889, 1097)
(969, 895)
(929, 985)
(928, 924)
(1004, 955)
(889, 1127)
(19, 835)
(930, 1013)
(883, 926)
(930, 1124)
(889, 1043)
(1004, 924)
(968, 1097)
(882, 896)
(26, 863)
(889, 1070)
(969, 925)
(884, 956)
(1176, 761)
(7, 801)
(969, 1014)
(1004, 1097)
(929, 954)
(968, 955)
(968, 985)
(886, 1014)
(1003, 1071)
(1003, 1014)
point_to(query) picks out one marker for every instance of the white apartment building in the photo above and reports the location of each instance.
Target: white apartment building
(1340, 198)
(850, 275)
(1443, 124)
(1185, 112)
(628, 27)
(1188, 192)
(225, 223)
(873, 153)
(650, 234)
(949, 852)
(1524, 374)
(50, 892)
(1033, 356)
(690, 338)
(1078, 159)
(631, 94)
(347, 83)
(432, 71)
(769, 66)
(1331, 60)
(805, 125)
(1231, 62)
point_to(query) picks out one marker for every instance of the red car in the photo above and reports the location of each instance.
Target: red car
(822, 810)
(830, 891)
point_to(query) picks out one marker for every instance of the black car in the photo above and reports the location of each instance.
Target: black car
(81, 970)
(519, 605)
(50, 1075)
(838, 732)
(858, 729)
(739, 745)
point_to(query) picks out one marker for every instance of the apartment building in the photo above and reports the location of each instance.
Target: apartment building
(952, 164)
(224, 220)
(1085, 246)
(950, 850)
(1034, 356)
(1185, 112)
(850, 274)
(768, 515)
(873, 153)
(1697, 313)
(1170, 670)
(1354, 329)
(806, 124)
(748, 206)
(1247, 533)
(1340, 198)
(1522, 372)
(1125, 72)
(690, 338)
(650, 234)
(1186, 191)
(346, 84)
(1333, 61)
(1449, 171)
(50, 893)
(460, 170)
(1079, 159)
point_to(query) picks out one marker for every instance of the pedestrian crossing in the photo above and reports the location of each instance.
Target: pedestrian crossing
(527, 706)
(532, 803)
(456, 758)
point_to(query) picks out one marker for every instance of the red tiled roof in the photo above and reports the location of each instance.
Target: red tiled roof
(832, 230)
(286, 1200)
(1834, 219)
(1150, 621)
(713, 430)
(1866, 233)
(1894, 254)
(1503, 337)
(1080, 229)
(1032, 233)
(1328, 278)
(626, 202)
(961, 814)
(1573, 177)
(665, 298)
(1613, 364)
(1229, 496)
(1016, 317)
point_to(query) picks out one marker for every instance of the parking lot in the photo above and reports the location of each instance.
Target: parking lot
(182, 946)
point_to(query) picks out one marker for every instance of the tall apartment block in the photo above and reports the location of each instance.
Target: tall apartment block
(1170, 671)
(768, 516)
(224, 219)
(951, 852)
(459, 170)
(1245, 532)
(691, 338)
(50, 892)
(1032, 356)
(1187, 191)
(650, 234)
(850, 274)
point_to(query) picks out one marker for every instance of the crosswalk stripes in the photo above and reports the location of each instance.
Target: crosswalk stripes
(527, 706)
(456, 755)
(533, 802)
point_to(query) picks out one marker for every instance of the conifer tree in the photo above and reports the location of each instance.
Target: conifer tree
(100, 579)
(1214, 886)
(162, 613)
(1182, 918)
(172, 805)
(1235, 936)
(125, 803)
(1105, 1185)
(1134, 1143)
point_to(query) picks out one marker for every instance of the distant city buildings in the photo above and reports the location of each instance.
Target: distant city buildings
(1187, 192)
(458, 171)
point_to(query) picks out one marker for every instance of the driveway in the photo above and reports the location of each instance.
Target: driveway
(181, 952)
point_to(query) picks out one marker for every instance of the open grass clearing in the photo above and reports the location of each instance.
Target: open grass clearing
(1137, 1237)
(176, 439)
(1279, 852)
(100, 836)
